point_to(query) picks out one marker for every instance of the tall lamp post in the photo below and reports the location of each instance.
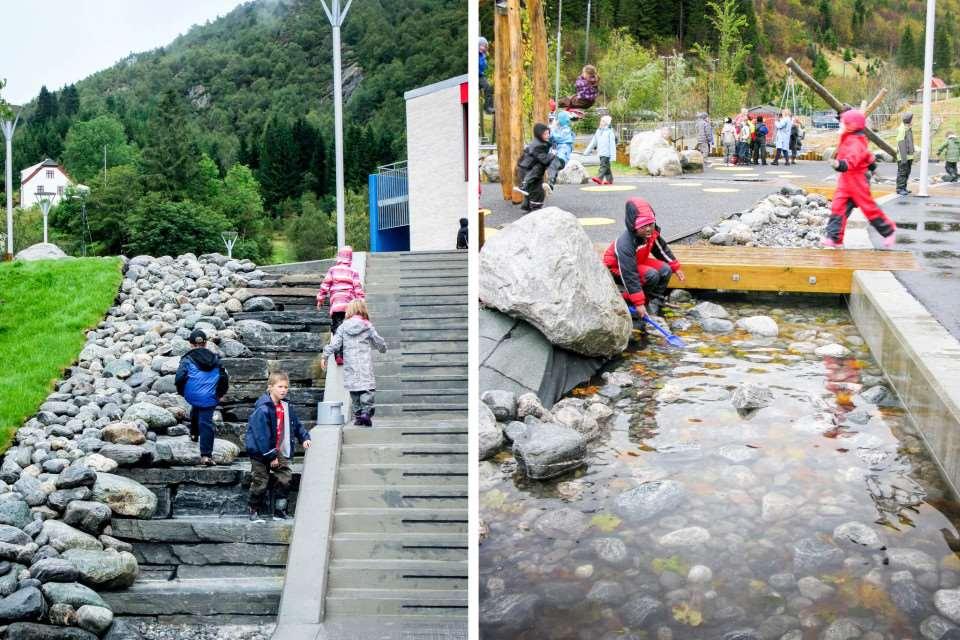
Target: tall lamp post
(45, 203)
(336, 16)
(927, 80)
(8, 129)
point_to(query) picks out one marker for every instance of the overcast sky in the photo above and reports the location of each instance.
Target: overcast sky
(57, 42)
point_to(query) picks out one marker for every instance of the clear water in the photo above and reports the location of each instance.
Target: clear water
(807, 457)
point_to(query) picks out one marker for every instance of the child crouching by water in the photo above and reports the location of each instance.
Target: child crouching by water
(356, 336)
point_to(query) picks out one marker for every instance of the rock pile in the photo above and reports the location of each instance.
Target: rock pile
(791, 218)
(116, 407)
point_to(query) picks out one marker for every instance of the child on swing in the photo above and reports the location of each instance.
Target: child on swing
(588, 87)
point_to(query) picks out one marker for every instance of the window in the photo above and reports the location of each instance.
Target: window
(60, 191)
(49, 174)
(40, 188)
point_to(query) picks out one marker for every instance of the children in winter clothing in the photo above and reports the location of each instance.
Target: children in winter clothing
(704, 135)
(462, 234)
(744, 140)
(796, 138)
(904, 153)
(605, 142)
(588, 86)
(537, 156)
(561, 137)
(952, 147)
(484, 84)
(640, 260)
(728, 138)
(202, 381)
(342, 285)
(760, 142)
(781, 138)
(853, 160)
(269, 442)
(356, 336)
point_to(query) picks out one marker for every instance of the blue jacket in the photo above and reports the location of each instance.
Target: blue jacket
(483, 64)
(605, 142)
(201, 379)
(261, 437)
(562, 138)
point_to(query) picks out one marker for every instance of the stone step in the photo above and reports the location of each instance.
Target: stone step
(240, 413)
(200, 597)
(374, 602)
(299, 367)
(217, 553)
(440, 575)
(414, 496)
(443, 289)
(426, 312)
(456, 323)
(400, 381)
(435, 358)
(314, 318)
(434, 300)
(407, 521)
(279, 293)
(203, 529)
(399, 546)
(424, 410)
(314, 279)
(418, 435)
(402, 453)
(433, 397)
(438, 475)
(452, 332)
(286, 342)
(249, 392)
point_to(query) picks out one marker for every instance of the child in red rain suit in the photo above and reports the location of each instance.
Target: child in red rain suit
(640, 260)
(852, 161)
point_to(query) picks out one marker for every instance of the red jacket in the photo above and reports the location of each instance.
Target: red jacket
(627, 254)
(854, 159)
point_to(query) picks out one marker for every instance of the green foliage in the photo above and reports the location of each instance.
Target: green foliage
(279, 162)
(632, 76)
(313, 234)
(907, 53)
(108, 209)
(45, 308)
(821, 68)
(676, 87)
(160, 227)
(357, 220)
(847, 55)
(170, 158)
(239, 200)
(726, 94)
(942, 51)
(83, 148)
(6, 112)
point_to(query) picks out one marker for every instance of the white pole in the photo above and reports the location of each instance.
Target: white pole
(8, 134)
(45, 208)
(336, 18)
(586, 48)
(556, 93)
(927, 78)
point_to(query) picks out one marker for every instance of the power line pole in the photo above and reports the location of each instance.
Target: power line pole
(336, 18)
(104, 165)
(927, 80)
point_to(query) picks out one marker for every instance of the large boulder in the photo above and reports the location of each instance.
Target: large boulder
(548, 450)
(664, 162)
(691, 161)
(155, 417)
(544, 269)
(104, 569)
(124, 496)
(41, 251)
(573, 173)
(491, 168)
(643, 145)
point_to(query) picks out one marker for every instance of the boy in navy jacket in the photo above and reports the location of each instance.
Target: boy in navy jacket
(202, 381)
(269, 441)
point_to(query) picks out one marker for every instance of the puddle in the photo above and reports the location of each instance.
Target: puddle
(740, 522)
(936, 255)
(941, 226)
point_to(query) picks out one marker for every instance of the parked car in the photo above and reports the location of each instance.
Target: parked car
(825, 120)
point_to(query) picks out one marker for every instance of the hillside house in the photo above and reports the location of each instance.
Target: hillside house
(45, 177)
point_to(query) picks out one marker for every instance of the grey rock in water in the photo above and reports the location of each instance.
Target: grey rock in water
(833, 350)
(752, 395)
(511, 612)
(709, 310)
(947, 602)
(607, 593)
(650, 499)
(716, 325)
(814, 589)
(858, 534)
(489, 433)
(811, 554)
(759, 326)
(910, 598)
(910, 559)
(548, 450)
(502, 403)
(610, 550)
(544, 270)
(641, 610)
(842, 629)
(563, 524)
(935, 628)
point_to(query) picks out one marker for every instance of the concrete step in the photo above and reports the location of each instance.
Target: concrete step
(400, 546)
(404, 453)
(414, 496)
(442, 289)
(439, 575)
(433, 397)
(398, 475)
(426, 312)
(430, 347)
(436, 358)
(370, 602)
(201, 597)
(428, 411)
(400, 381)
(407, 521)
(434, 300)
(433, 324)
(416, 435)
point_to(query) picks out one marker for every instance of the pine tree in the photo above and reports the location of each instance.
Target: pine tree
(859, 16)
(69, 100)
(942, 51)
(821, 68)
(170, 159)
(907, 53)
(826, 16)
(46, 106)
(279, 175)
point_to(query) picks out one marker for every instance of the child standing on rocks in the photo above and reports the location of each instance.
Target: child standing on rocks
(342, 284)
(202, 381)
(269, 442)
(852, 160)
(605, 142)
(356, 336)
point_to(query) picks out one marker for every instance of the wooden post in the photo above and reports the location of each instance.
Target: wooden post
(870, 108)
(541, 81)
(507, 91)
(821, 91)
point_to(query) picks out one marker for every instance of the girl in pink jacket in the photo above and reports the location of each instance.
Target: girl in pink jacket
(342, 285)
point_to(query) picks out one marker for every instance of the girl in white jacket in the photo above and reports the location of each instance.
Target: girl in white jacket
(605, 142)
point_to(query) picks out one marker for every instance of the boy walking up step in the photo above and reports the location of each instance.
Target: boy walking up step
(202, 381)
(269, 441)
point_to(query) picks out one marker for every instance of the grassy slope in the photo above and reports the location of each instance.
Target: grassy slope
(45, 307)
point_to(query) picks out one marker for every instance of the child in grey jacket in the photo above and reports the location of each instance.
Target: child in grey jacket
(356, 336)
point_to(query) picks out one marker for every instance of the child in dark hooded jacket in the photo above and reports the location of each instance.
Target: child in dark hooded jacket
(537, 156)
(202, 381)
(640, 260)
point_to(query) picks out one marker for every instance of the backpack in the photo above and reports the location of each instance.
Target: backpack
(762, 130)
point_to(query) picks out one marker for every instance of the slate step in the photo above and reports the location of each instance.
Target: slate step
(319, 319)
(428, 411)
(414, 496)
(440, 575)
(454, 323)
(203, 529)
(418, 435)
(405, 521)
(434, 397)
(428, 312)
(401, 381)
(437, 358)
(299, 367)
(398, 475)
(401, 453)
(432, 289)
(249, 393)
(400, 546)
(243, 596)
(369, 602)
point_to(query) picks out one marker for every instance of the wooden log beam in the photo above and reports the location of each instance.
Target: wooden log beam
(507, 90)
(872, 106)
(538, 43)
(839, 107)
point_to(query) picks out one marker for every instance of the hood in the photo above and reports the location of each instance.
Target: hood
(265, 401)
(853, 120)
(638, 213)
(563, 118)
(463, 223)
(345, 255)
(205, 359)
(355, 326)
(907, 118)
(538, 130)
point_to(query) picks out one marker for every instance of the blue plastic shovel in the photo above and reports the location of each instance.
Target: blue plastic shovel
(672, 339)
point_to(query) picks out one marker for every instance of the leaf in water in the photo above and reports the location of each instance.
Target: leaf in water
(758, 585)
(844, 399)
(951, 562)
(503, 456)
(756, 370)
(685, 614)
(605, 522)
(581, 392)
(673, 563)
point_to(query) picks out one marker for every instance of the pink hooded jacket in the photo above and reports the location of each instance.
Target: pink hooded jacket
(341, 284)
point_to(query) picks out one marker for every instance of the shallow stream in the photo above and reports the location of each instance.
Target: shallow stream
(819, 516)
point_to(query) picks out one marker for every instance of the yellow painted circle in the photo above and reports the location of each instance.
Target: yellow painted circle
(595, 222)
(685, 184)
(609, 187)
(489, 232)
(720, 190)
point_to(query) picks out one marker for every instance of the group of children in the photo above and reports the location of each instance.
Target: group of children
(274, 426)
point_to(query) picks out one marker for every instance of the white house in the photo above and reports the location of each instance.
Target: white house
(46, 177)
(437, 162)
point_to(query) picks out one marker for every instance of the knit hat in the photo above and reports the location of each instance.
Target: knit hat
(605, 120)
(853, 120)
(563, 118)
(907, 117)
(539, 129)
(483, 42)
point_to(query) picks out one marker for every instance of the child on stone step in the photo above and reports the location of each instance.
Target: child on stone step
(356, 337)
(342, 284)
(202, 381)
(269, 441)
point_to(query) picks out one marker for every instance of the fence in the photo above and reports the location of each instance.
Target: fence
(392, 196)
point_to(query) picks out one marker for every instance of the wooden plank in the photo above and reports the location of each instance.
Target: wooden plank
(765, 278)
(501, 100)
(849, 259)
(513, 124)
(538, 45)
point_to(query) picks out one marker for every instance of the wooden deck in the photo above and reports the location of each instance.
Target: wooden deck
(782, 269)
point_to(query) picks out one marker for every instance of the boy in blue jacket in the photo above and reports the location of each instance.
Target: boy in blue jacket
(202, 381)
(269, 441)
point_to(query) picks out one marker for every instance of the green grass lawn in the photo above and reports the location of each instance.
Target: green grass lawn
(622, 170)
(282, 253)
(45, 308)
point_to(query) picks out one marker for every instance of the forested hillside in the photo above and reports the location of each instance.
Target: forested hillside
(231, 124)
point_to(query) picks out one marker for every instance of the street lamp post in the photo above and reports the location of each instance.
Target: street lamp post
(336, 16)
(927, 80)
(45, 203)
(8, 128)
